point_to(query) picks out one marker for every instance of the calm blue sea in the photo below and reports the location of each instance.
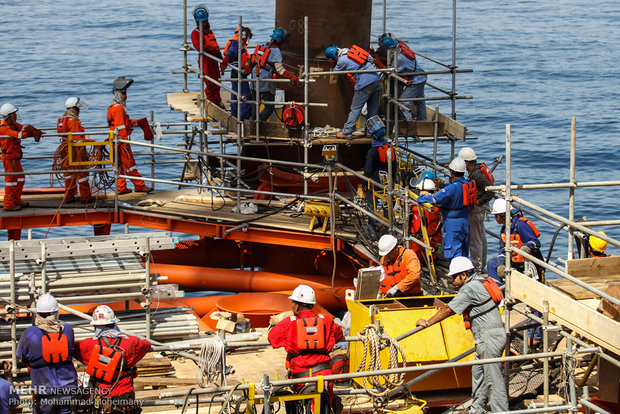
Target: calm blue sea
(536, 64)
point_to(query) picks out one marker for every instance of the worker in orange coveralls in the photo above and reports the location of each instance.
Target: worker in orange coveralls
(12, 155)
(119, 121)
(70, 122)
(208, 66)
(308, 338)
(401, 267)
(111, 358)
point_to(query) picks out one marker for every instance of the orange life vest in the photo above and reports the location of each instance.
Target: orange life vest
(515, 240)
(470, 193)
(11, 147)
(358, 55)
(383, 153)
(406, 50)
(484, 168)
(311, 333)
(210, 41)
(496, 296)
(260, 56)
(54, 347)
(105, 360)
(245, 56)
(394, 272)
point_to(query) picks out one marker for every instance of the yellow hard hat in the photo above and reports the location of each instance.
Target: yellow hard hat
(598, 244)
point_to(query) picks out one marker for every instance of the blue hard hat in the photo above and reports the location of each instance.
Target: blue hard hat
(376, 127)
(389, 42)
(331, 52)
(429, 174)
(280, 35)
(201, 13)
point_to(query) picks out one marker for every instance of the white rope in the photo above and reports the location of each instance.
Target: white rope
(372, 348)
(210, 362)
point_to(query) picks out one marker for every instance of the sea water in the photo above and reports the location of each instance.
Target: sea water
(535, 65)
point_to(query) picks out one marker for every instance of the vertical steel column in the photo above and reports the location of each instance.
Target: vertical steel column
(453, 67)
(390, 190)
(545, 348)
(435, 133)
(306, 107)
(203, 109)
(13, 306)
(507, 251)
(239, 124)
(43, 264)
(116, 156)
(185, 48)
(384, 16)
(152, 184)
(571, 197)
(571, 377)
(147, 284)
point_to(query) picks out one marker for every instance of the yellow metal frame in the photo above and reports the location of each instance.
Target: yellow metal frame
(72, 144)
(316, 396)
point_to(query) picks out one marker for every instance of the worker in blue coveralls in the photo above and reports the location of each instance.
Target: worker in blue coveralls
(377, 155)
(454, 211)
(47, 348)
(9, 399)
(267, 61)
(523, 235)
(406, 63)
(231, 55)
(477, 300)
(367, 86)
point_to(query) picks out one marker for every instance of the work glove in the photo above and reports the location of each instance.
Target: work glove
(146, 128)
(33, 132)
(526, 249)
(224, 64)
(291, 76)
(332, 64)
(501, 271)
(392, 292)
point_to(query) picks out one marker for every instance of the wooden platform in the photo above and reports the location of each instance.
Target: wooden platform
(189, 103)
(597, 272)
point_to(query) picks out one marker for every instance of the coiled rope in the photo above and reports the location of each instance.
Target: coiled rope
(372, 347)
(210, 365)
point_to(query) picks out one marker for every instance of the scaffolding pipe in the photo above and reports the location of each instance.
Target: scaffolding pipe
(571, 196)
(507, 262)
(576, 184)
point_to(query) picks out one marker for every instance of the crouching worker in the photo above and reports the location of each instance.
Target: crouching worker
(111, 359)
(47, 349)
(401, 267)
(308, 339)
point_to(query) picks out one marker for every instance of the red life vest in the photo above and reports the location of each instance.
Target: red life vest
(406, 50)
(496, 296)
(358, 55)
(470, 193)
(11, 147)
(54, 347)
(484, 168)
(383, 153)
(260, 56)
(311, 333)
(515, 240)
(105, 360)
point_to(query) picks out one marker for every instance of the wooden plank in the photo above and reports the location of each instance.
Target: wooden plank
(577, 292)
(567, 311)
(450, 126)
(597, 266)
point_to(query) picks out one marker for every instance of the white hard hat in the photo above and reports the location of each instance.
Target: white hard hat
(426, 184)
(468, 154)
(47, 304)
(458, 165)
(499, 206)
(7, 109)
(304, 294)
(75, 101)
(386, 243)
(103, 315)
(460, 264)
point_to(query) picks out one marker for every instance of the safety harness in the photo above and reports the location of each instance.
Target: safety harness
(496, 297)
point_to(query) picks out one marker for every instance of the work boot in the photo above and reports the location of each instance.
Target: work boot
(125, 191)
(24, 204)
(146, 189)
(16, 207)
(341, 135)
